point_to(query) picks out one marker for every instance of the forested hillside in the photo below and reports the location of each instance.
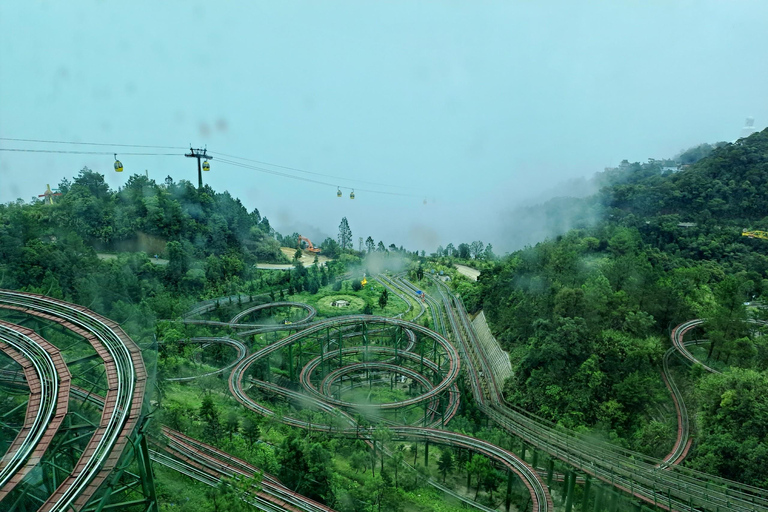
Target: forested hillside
(172, 220)
(205, 242)
(587, 315)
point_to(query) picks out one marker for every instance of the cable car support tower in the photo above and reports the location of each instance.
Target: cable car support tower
(200, 154)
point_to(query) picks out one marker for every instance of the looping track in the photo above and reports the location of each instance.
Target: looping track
(48, 379)
(242, 350)
(234, 323)
(321, 399)
(126, 379)
(675, 489)
(210, 465)
(450, 376)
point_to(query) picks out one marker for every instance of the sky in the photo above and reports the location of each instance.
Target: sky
(476, 107)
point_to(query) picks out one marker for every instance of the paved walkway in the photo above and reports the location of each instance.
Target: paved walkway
(468, 271)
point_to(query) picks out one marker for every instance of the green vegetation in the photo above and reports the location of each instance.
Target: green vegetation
(586, 316)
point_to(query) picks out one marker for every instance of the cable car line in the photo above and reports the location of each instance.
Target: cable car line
(306, 172)
(19, 150)
(44, 141)
(310, 180)
(90, 143)
(206, 166)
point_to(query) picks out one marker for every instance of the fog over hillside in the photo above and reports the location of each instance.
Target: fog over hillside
(479, 110)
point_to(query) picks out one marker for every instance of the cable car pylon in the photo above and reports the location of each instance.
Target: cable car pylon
(200, 154)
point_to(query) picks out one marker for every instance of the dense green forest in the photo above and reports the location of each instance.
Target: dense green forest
(587, 315)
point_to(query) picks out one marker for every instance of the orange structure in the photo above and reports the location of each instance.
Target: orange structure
(310, 247)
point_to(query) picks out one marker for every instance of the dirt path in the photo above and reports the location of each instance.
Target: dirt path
(307, 258)
(108, 256)
(468, 271)
(274, 266)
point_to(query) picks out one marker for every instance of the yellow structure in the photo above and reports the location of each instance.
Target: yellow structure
(48, 195)
(755, 234)
(364, 281)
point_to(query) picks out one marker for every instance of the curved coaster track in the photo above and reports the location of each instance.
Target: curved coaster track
(327, 366)
(675, 488)
(120, 418)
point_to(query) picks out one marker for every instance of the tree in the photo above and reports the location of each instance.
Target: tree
(397, 458)
(370, 245)
(383, 298)
(490, 480)
(330, 247)
(319, 476)
(178, 262)
(232, 425)
(345, 235)
(210, 415)
(381, 436)
(208, 408)
(414, 450)
(488, 253)
(450, 250)
(293, 465)
(230, 494)
(476, 249)
(358, 461)
(726, 321)
(734, 426)
(478, 466)
(356, 285)
(445, 462)
(464, 251)
(251, 429)
(381, 247)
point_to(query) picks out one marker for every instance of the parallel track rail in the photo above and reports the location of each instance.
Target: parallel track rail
(49, 380)
(539, 494)
(679, 489)
(126, 377)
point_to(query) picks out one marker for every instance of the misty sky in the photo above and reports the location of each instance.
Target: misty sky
(476, 106)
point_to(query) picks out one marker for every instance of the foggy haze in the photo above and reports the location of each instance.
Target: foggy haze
(478, 107)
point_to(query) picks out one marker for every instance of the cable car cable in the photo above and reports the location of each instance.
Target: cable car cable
(46, 141)
(234, 163)
(308, 172)
(83, 152)
(90, 143)
(309, 180)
